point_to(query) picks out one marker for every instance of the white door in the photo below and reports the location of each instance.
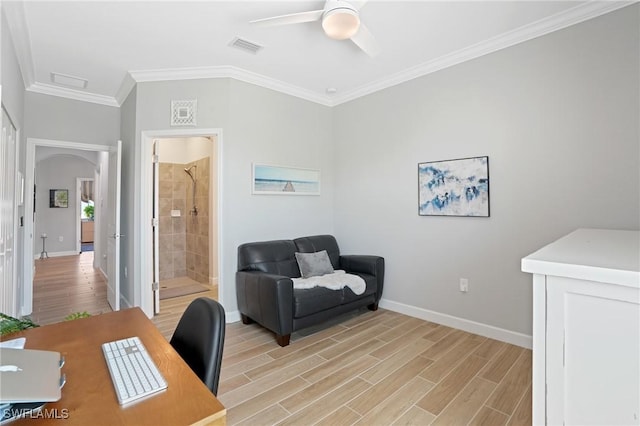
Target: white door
(7, 216)
(155, 227)
(592, 353)
(113, 228)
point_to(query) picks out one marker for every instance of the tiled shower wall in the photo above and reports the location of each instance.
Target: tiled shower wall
(198, 225)
(184, 239)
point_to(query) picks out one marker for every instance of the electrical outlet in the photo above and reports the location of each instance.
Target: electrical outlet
(61, 238)
(464, 285)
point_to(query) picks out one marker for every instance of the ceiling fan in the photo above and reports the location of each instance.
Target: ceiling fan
(340, 21)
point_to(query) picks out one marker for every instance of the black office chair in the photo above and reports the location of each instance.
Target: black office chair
(199, 339)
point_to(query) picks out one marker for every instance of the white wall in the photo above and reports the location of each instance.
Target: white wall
(558, 117)
(58, 172)
(185, 150)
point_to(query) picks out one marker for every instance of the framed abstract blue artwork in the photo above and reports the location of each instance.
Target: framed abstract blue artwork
(454, 187)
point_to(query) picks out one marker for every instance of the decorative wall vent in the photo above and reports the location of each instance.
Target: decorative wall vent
(183, 113)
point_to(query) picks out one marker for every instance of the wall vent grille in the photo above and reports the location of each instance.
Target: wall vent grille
(183, 113)
(246, 45)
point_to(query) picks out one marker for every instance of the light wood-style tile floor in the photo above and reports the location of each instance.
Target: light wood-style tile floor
(369, 368)
(172, 309)
(376, 368)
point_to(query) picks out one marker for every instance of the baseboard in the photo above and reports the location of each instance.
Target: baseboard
(104, 274)
(232, 317)
(213, 281)
(485, 330)
(57, 254)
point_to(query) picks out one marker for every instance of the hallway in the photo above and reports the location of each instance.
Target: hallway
(68, 284)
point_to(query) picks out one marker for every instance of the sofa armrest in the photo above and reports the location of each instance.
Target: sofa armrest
(266, 299)
(365, 264)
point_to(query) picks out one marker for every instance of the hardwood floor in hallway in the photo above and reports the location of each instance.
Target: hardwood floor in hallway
(67, 284)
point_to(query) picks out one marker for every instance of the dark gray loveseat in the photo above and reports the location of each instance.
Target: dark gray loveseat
(265, 291)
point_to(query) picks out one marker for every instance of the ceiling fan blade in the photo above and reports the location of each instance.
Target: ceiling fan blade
(293, 18)
(365, 41)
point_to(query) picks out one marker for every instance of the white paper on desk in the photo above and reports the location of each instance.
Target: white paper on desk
(14, 344)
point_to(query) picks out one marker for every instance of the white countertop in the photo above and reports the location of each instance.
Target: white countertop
(602, 255)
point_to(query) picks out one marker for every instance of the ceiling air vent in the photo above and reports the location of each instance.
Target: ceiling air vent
(245, 45)
(69, 80)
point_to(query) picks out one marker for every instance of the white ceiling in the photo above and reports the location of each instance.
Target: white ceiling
(113, 44)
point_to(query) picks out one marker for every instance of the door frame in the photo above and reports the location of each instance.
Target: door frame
(146, 208)
(79, 205)
(26, 307)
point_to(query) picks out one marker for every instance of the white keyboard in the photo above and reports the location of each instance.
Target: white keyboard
(133, 372)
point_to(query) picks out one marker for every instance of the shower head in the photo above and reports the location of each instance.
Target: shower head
(187, 170)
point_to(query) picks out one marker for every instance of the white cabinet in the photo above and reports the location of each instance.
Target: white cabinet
(586, 329)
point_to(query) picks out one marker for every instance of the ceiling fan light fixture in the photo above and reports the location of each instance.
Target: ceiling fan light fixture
(340, 24)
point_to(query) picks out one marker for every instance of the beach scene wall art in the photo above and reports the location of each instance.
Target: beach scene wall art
(454, 187)
(281, 180)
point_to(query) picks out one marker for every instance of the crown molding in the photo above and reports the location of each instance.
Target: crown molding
(128, 83)
(78, 95)
(228, 72)
(20, 34)
(17, 24)
(527, 32)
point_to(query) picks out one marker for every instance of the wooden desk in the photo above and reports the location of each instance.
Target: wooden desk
(89, 398)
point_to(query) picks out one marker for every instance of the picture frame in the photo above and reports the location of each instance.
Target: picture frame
(270, 179)
(58, 198)
(457, 187)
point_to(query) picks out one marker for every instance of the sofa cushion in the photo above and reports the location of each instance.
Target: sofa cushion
(314, 264)
(318, 243)
(310, 301)
(273, 257)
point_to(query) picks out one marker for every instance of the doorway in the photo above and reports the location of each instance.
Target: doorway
(31, 237)
(186, 197)
(150, 212)
(85, 225)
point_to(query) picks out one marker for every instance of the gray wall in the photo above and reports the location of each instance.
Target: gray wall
(272, 128)
(12, 84)
(52, 117)
(558, 118)
(58, 172)
(259, 125)
(127, 197)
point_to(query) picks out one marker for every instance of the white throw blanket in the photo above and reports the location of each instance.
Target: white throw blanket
(335, 281)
